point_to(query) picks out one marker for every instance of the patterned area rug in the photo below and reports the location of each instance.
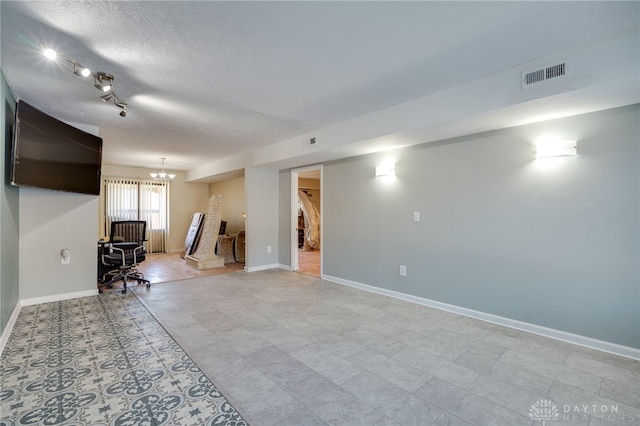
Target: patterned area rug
(102, 360)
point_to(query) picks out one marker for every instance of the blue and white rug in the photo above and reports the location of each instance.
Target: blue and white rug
(102, 360)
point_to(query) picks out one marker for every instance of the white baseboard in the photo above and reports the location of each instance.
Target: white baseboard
(285, 267)
(261, 267)
(9, 327)
(58, 297)
(564, 336)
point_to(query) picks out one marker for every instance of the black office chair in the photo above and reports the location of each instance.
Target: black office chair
(124, 251)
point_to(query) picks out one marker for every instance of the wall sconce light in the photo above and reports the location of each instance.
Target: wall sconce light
(555, 148)
(386, 168)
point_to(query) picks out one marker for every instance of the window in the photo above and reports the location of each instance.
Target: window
(138, 199)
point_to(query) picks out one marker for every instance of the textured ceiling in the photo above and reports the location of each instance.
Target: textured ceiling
(206, 80)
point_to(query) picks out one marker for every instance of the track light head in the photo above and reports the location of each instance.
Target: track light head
(81, 71)
(105, 87)
(103, 81)
(50, 54)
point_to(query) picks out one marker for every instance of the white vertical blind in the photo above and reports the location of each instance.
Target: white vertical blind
(138, 199)
(153, 209)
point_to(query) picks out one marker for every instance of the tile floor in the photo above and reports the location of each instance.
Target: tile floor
(162, 267)
(289, 349)
(309, 262)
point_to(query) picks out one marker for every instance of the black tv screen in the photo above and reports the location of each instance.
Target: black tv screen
(50, 154)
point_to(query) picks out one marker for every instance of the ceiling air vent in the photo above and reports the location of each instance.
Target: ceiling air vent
(543, 74)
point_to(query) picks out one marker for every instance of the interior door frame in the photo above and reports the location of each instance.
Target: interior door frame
(295, 174)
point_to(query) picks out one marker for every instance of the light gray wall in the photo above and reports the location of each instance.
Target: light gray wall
(49, 222)
(261, 189)
(9, 213)
(284, 222)
(548, 242)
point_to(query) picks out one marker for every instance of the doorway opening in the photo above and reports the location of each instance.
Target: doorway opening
(306, 220)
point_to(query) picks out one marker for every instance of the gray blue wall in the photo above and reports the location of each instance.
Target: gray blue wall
(9, 213)
(549, 242)
(49, 222)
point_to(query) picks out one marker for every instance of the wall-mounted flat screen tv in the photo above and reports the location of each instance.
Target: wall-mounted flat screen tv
(50, 154)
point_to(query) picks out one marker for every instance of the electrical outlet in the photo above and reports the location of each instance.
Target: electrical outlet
(268, 249)
(403, 271)
(416, 216)
(65, 256)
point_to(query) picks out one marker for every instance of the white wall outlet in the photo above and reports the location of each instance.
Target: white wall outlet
(65, 256)
(268, 249)
(403, 271)
(416, 216)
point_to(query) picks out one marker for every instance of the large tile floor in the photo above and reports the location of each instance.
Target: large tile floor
(289, 349)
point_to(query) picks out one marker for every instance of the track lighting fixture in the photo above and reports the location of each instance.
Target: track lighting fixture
(102, 80)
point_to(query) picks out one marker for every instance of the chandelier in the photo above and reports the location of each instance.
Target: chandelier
(103, 81)
(162, 176)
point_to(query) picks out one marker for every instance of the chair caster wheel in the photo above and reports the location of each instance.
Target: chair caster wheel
(148, 285)
(124, 291)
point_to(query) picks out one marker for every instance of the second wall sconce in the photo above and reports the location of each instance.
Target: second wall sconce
(386, 168)
(555, 148)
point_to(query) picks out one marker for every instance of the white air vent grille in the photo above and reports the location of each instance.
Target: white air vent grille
(555, 71)
(534, 77)
(543, 74)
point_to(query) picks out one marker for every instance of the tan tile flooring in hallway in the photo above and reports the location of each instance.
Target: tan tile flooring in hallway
(309, 262)
(162, 267)
(289, 349)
